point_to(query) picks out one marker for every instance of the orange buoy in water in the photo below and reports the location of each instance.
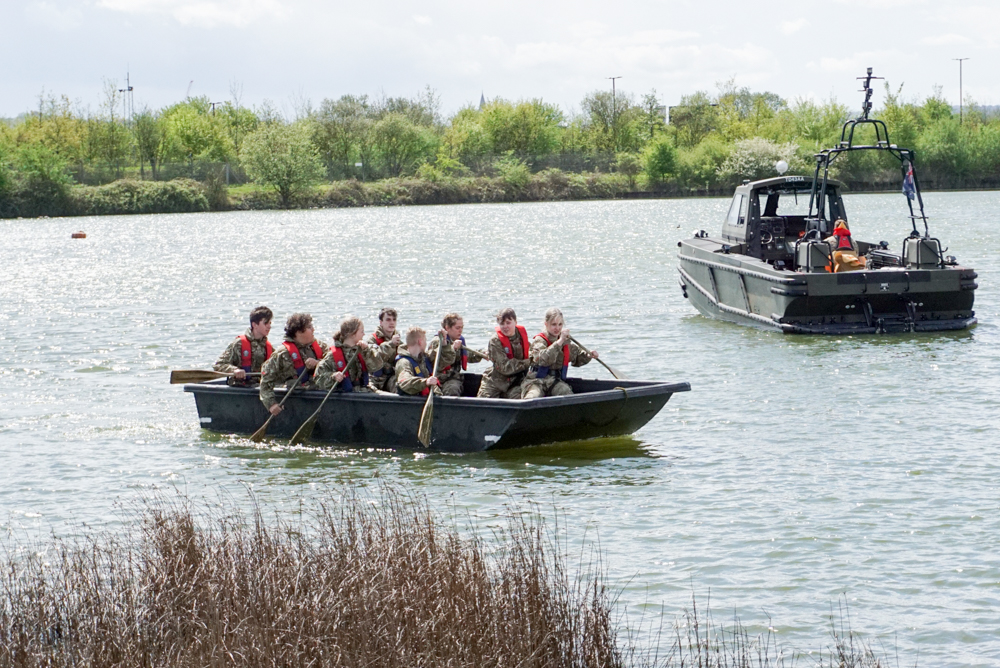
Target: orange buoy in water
(78, 235)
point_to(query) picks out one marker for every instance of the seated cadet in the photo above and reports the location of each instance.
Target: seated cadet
(349, 359)
(298, 355)
(508, 350)
(551, 354)
(386, 339)
(413, 369)
(455, 357)
(250, 350)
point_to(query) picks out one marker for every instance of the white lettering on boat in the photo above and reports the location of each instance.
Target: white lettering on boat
(489, 438)
(205, 420)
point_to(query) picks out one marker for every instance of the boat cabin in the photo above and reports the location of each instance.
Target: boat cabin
(768, 218)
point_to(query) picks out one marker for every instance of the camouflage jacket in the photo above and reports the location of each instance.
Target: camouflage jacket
(230, 360)
(387, 351)
(323, 378)
(542, 354)
(451, 359)
(279, 369)
(504, 370)
(408, 382)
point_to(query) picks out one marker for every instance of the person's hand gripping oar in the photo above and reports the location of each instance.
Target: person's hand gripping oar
(259, 435)
(427, 416)
(304, 432)
(617, 374)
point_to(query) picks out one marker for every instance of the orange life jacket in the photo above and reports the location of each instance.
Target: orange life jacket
(301, 370)
(508, 349)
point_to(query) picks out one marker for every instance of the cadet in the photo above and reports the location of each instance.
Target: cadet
(386, 339)
(508, 350)
(455, 356)
(347, 345)
(413, 369)
(250, 350)
(551, 354)
(298, 355)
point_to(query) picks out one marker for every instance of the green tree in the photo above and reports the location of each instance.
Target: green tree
(400, 143)
(342, 134)
(150, 140)
(694, 117)
(282, 157)
(613, 121)
(529, 127)
(42, 181)
(652, 115)
(466, 140)
(630, 165)
(193, 133)
(756, 157)
(660, 159)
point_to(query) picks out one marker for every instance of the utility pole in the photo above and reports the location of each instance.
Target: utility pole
(960, 100)
(614, 113)
(127, 100)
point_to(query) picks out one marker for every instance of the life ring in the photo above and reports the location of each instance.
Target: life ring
(78, 235)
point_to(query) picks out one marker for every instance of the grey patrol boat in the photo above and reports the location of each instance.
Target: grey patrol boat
(772, 266)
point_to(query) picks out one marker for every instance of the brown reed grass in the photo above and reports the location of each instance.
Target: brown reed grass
(367, 579)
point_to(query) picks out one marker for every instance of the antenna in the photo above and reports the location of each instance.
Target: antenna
(188, 93)
(614, 111)
(960, 100)
(867, 90)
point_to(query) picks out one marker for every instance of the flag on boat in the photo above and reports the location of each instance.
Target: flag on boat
(909, 186)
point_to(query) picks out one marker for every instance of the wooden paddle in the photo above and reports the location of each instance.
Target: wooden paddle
(178, 376)
(259, 435)
(427, 417)
(617, 374)
(304, 432)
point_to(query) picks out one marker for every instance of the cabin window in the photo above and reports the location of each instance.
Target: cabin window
(744, 207)
(786, 203)
(733, 218)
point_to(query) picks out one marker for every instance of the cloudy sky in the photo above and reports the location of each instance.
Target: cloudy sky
(289, 51)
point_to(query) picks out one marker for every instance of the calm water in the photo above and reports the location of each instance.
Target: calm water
(798, 472)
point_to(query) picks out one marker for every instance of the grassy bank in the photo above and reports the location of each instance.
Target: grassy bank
(359, 580)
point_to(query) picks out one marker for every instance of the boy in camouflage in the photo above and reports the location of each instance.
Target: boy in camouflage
(413, 369)
(248, 352)
(508, 350)
(551, 354)
(349, 359)
(386, 339)
(455, 355)
(299, 354)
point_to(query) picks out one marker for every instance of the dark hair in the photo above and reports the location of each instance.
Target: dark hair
(261, 314)
(348, 326)
(387, 311)
(506, 314)
(450, 319)
(296, 323)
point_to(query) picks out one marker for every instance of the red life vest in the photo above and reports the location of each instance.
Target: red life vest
(246, 354)
(340, 362)
(378, 339)
(301, 370)
(465, 357)
(844, 240)
(419, 370)
(543, 371)
(508, 349)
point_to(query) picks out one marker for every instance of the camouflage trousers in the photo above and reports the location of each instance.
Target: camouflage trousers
(386, 384)
(535, 389)
(488, 390)
(452, 387)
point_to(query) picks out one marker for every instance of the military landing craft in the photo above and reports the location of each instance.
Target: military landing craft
(775, 264)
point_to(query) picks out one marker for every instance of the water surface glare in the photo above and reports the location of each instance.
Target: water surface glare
(799, 470)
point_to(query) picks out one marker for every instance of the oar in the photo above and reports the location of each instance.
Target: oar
(617, 374)
(427, 417)
(304, 432)
(259, 435)
(178, 376)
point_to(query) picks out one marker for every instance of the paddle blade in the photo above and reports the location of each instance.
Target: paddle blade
(614, 372)
(426, 419)
(178, 376)
(259, 435)
(304, 433)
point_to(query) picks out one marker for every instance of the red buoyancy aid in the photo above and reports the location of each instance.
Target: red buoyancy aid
(379, 339)
(844, 239)
(301, 370)
(543, 371)
(465, 357)
(419, 370)
(246, 354)
(508, 349)
(340, 362)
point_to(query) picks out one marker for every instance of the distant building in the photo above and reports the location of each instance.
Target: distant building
(482, 101)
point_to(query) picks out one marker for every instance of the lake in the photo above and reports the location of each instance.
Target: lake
(799, 473)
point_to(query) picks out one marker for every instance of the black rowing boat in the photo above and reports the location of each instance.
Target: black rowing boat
(598, 408)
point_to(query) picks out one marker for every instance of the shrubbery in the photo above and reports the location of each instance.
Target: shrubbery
(128, 196)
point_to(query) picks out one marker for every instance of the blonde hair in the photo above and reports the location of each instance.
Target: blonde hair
(348, 326)
(552, 314)
(414, 334)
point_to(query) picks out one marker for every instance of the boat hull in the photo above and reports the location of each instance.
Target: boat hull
(460, 424)
(748, 291)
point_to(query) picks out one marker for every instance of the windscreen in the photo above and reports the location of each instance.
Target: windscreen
(786, 203)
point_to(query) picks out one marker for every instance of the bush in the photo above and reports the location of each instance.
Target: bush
(129, 197)
(41, 183)
(514, 173)
(660, 159)
(756, 158)
(284, 158)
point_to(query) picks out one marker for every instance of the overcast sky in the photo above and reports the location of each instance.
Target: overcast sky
(293, 50)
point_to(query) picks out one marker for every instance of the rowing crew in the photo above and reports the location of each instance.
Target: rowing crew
(523, 367)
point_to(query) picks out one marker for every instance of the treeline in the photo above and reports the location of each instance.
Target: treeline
(622, 141)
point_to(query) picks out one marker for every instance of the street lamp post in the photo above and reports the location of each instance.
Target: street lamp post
(960, 100)
(614, 113)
